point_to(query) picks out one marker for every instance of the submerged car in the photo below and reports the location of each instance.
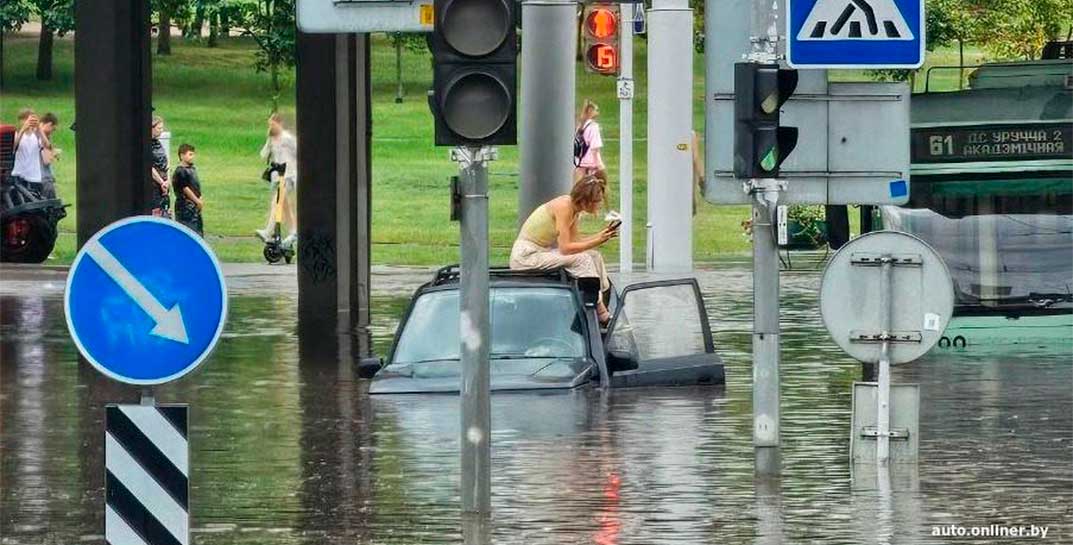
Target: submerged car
(545, 335)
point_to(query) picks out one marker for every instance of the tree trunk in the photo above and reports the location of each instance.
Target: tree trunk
(214, 29)
(199, 21)
(225, 22)
(961, 64)
(44, 54)
(163, 36)
(275, 88)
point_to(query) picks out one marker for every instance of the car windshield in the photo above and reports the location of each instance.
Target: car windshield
(536, 322)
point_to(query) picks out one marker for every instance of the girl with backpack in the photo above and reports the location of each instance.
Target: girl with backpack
(587, 143)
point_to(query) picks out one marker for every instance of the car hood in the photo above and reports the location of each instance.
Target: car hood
(506, 374)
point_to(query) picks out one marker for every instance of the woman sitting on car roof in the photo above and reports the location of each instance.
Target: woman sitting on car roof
(549, 238)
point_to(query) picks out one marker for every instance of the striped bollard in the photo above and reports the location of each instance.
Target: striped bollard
(147, 486)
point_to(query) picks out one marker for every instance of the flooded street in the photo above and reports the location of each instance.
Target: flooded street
(287, 448)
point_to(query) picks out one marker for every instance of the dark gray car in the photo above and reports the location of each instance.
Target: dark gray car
(545, 335)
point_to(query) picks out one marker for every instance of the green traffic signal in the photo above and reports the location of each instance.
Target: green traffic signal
(770, 160)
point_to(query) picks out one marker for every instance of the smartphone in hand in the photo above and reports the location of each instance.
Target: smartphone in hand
(613, 219)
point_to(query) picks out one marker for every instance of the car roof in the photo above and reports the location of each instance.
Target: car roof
(448, 278)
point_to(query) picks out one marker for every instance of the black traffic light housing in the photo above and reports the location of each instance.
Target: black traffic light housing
(600, 38)
(474, 48)
(760, 144)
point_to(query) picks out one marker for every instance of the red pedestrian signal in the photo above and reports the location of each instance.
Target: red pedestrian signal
(600, 23)
(603, 58)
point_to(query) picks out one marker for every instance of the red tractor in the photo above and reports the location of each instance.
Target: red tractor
(27, 220)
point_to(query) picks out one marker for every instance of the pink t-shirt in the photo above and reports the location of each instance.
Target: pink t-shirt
(591, 134)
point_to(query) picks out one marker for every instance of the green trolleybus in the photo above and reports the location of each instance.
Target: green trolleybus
(992, 192)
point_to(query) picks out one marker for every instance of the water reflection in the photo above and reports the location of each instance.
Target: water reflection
(287, 448)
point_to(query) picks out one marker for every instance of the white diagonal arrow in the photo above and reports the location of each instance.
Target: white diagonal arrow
(169, 323)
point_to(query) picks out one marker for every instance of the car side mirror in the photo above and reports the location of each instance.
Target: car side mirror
(621, 360)
(368, 367)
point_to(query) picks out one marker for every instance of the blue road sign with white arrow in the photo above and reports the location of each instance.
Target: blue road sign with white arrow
(145, 300)
(855, 33)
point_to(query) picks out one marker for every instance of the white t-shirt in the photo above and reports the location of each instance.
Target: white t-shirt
(28, 158)
(283, 149)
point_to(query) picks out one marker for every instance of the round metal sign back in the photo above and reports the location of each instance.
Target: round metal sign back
(919, 300)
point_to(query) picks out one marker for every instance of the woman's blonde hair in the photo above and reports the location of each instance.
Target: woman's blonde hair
(587, 108)
(589, 190)
(278, 118)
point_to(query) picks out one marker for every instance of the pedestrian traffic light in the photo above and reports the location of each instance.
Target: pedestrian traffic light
(760, 144)
(474, 54)
(600, 22)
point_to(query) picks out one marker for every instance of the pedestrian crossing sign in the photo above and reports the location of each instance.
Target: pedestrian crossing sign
(855, 33)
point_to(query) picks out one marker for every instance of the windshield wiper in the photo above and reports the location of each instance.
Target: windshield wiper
(523, 356)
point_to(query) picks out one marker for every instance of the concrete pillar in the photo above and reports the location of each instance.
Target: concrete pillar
(670, 135)
(334, 172)
(113, 93)
(546, 143)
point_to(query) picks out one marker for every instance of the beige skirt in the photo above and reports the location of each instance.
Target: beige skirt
(527, 255)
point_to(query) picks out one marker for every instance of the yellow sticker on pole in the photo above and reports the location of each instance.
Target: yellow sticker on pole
(426, 16)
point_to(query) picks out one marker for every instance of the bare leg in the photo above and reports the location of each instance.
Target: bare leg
(290, 212)
(269, 222)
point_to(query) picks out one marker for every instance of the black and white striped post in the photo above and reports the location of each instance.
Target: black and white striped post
(147, 481)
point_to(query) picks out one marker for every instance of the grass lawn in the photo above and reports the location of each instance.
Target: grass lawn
(214, 99)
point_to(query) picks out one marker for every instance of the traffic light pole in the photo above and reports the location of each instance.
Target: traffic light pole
(625, 136)
(474, 329)
(766, 356)
(547, 102)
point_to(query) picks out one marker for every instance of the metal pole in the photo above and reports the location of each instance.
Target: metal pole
(766, 417)
(883, 395)
(670, 135)
(765, 320)
(398, 68)
(547, 102)
(474, 331)
(625, 138)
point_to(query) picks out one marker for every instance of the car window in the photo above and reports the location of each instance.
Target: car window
(662, 321)
(526, 323)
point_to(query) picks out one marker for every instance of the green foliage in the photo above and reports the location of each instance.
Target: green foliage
(13, 13)
(1019, 28)
(271, 24)
(414, 42)
(812, 219)
(55, 15)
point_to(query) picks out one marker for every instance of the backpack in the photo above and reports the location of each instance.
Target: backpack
(581, 147)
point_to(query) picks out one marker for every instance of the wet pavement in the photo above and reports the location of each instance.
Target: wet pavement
(288, 448)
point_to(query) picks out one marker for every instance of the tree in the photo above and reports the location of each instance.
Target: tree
(13, 13)
(413, 42)
(946, 21)
(271, 24)
(57, 18)
(1020, 28)
(168, 11)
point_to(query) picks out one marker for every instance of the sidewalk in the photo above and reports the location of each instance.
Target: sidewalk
(242, 278)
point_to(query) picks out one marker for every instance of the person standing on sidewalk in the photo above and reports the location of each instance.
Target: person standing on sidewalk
(161, 201)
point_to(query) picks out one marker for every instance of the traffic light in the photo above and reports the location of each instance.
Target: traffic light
(600, 22)
(760, 144)
(474, 48)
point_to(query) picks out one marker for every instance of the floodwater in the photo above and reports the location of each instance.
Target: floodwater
(292, 451)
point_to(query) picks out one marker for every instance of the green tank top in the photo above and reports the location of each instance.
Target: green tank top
(540, 227)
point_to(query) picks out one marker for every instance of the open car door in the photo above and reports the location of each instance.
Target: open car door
(659, 336)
